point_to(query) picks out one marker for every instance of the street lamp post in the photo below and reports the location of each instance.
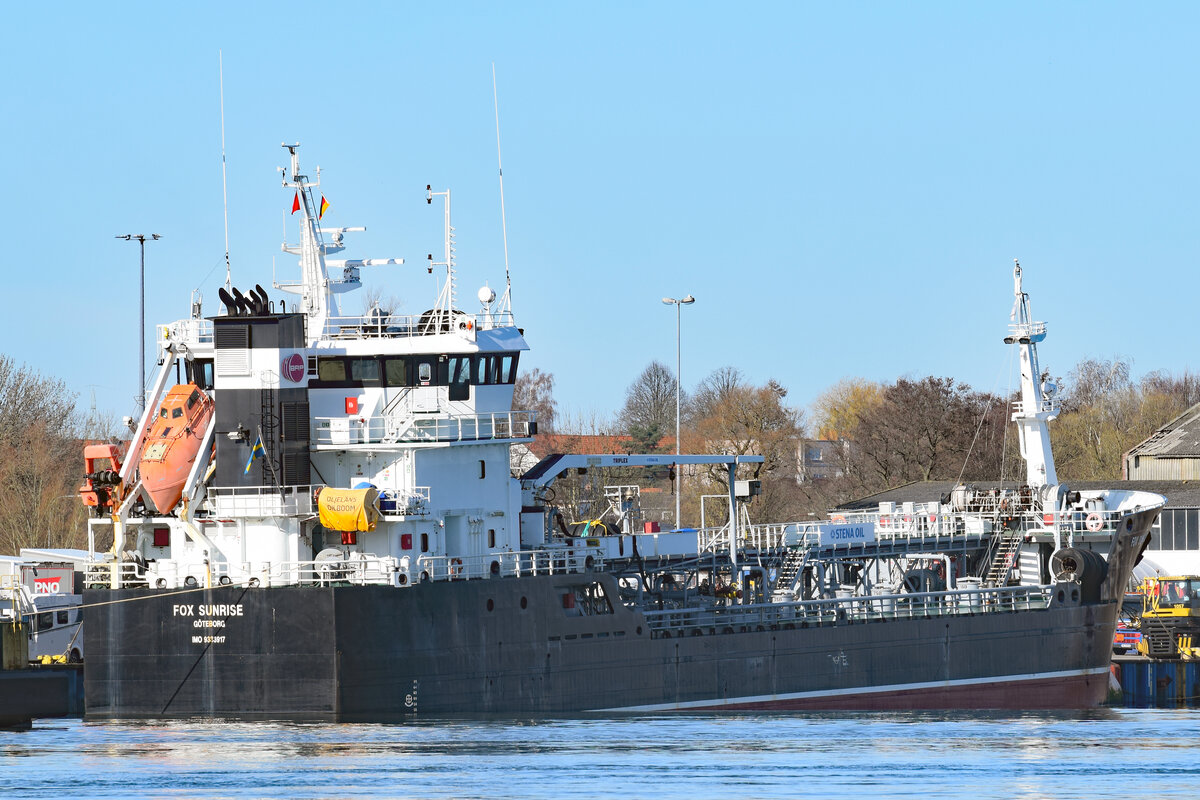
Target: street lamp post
(140, 238)
(671, 301)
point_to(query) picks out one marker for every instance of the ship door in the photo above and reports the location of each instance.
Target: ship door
(457, 545)
(429, 388)
(458, 384)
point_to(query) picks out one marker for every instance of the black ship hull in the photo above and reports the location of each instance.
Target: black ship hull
(374, 652)
(521, 645)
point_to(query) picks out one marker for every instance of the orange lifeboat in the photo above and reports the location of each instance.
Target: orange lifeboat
(173, 444)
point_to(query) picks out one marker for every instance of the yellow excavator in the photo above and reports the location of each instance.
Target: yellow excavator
(1170, 619)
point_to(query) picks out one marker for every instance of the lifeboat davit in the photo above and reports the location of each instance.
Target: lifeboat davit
(173, 444)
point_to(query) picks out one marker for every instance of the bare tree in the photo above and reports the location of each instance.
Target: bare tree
(373, 297)
(1185, 388)
(927, 429)
(1093, 381)
(1105, 414)
(742, 419)
(40, 461)
(534, 391)
(715, 389)
(650, 400)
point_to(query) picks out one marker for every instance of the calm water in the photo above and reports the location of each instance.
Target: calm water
(1118, 753)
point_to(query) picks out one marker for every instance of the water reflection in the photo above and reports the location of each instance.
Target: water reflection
(979, 756)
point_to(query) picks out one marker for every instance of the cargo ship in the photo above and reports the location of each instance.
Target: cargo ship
(339, 536)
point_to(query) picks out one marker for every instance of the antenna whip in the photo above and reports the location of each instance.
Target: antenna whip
(507, 302)
(224, 183)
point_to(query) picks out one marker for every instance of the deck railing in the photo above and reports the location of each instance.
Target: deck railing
(257, 501)
(188, 331)
(552, 561)
(774, 616)
(423, 428)
(359, 569)
(403, 326)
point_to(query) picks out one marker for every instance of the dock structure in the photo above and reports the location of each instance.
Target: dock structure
(1155, 683)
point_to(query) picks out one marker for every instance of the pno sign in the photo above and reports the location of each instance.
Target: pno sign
(47, 585)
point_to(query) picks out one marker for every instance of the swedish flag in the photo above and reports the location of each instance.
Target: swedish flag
(258, 451)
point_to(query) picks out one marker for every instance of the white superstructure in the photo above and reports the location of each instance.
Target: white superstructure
(406, 405)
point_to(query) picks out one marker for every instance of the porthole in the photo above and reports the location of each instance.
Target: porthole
(524, 602)
(491, 605)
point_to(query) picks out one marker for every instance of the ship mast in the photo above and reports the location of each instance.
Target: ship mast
(1037, 405)
(316, 299)
(444, 308)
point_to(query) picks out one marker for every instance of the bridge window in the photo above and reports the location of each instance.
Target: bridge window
(200, 372)
(395, 372)
(507, 372)
(459, 375)
(495, 368)
(364, 371)
(331, 369)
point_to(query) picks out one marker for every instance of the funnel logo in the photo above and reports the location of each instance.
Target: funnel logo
(292, 368)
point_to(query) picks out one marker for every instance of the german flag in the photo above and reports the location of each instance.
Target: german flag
(324, 205)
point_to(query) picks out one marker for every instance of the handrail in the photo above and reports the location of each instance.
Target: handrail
(550, 561)
(719, 618)
(423, 428)
(358, 569)
(403, 326)
(189, 331)
(257, 501)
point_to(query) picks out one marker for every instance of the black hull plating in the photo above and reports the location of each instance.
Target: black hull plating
(375, 652)
(508, 646)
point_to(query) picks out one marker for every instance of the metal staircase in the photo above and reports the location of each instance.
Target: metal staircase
(785, 581)
(1004, 559)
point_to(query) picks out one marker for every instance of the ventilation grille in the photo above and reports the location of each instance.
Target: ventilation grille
(296, 470)
(295, 421)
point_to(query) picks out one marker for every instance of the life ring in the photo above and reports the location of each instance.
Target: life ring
(1093, 522)
(838, 518)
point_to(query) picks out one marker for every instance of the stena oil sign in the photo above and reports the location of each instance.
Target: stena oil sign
(835, 533)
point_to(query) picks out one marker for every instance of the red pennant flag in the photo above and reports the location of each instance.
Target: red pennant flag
(296, 203)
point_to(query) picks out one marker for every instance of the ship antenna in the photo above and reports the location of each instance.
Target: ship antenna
(224, 183)
(506, 301)
(444, 308)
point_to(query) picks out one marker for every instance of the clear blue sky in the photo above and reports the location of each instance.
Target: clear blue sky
(842, 186)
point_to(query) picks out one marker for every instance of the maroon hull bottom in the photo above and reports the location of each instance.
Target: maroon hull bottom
(1068, 691)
